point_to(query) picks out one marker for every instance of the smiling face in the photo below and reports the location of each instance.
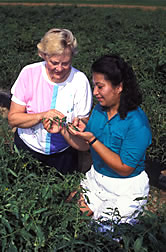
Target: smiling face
(58, 67)
(107, 95)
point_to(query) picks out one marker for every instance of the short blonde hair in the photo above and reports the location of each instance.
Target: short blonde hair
(55, 41)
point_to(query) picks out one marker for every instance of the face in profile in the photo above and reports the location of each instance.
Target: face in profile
(106, 94)
(58, 67)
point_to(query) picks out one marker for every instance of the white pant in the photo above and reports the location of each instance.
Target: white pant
(106, 194)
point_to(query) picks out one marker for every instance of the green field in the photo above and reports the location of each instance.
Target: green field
(123, 2)
(139, 36)
(33, 213)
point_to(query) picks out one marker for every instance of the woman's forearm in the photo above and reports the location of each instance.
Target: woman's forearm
(17, 116)
(75, 141)
(112, 159)
(24, 120)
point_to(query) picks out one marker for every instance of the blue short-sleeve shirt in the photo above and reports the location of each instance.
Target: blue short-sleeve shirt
(129, 138)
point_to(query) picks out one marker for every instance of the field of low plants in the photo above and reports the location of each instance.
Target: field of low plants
(100, 2)
(34, 215)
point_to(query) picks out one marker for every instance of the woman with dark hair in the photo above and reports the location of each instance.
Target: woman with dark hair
(117, 71)
(118, 134)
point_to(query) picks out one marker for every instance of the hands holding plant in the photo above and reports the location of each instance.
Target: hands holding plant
(77, 129)
(55, 122)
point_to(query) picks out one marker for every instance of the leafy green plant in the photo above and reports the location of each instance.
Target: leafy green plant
(34, 215)
(60, 122)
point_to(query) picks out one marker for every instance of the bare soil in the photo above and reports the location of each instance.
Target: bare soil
(90, 5)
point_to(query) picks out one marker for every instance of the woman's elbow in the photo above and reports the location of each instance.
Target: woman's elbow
(126, 172)
(11, 121)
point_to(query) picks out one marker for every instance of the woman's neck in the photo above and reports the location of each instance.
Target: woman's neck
(112, 111)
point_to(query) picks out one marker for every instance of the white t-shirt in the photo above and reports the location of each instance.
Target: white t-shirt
(33, 89)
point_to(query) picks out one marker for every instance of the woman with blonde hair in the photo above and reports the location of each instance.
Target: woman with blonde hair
(51, 87)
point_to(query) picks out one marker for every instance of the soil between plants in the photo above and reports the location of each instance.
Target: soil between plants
(152, 8)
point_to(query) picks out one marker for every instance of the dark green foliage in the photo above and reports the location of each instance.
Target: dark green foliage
(33, 213)
(139, 36)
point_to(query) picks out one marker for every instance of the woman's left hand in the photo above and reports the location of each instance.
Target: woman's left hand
(79, 123)
(87, 136)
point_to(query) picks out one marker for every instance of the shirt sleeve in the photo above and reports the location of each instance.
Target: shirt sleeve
(19, 89)
(134, 145)
(84, 98)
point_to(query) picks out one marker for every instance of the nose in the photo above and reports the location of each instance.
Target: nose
(59, 67)
(95, 90)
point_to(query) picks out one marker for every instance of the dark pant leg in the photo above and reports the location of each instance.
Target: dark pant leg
(65, 161)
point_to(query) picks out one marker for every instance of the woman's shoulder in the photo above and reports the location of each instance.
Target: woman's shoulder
(78, 73)
(31, 69)
(97, 111)
(137, 118)
(33, 65)
(136, 114)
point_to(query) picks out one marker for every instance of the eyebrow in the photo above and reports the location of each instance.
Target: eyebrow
(98, 83)
(52, 61)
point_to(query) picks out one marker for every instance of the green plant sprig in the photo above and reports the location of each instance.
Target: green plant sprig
(70, 124)
(61, 122)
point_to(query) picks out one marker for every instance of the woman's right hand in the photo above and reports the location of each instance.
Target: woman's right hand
(51, 121)
(51, 126)
(52, 113)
